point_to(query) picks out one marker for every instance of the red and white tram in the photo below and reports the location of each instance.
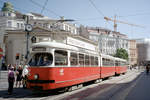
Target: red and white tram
(57, 65)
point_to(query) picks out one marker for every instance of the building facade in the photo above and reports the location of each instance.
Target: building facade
(143, 48)
(14, 37)
(133, 52)
(109, 41)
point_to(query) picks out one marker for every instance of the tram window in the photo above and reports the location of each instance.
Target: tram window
(116, 63)
(74, 59)
(81, 59)
(119, 63)
(113, 62)
(105, 62)
(122, 63)
(61, 57)
(92, 60)
(109, 62)
(96, 61)
(41, 59)
(87, 62)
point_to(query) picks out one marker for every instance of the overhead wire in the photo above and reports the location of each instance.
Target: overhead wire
(99, 11)
(138, 14)
(44, 6)
(39, 5)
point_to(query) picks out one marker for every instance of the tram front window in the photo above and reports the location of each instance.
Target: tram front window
(41, 59)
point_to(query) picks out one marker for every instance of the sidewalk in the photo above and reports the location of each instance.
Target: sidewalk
(3, 80)
(18, 93)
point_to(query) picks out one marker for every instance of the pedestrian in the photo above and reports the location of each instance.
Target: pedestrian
(147, 69)
(19, 75)
(8, 66)
(24, 75)
(11, 79)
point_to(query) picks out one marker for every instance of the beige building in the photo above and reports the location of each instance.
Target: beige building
(16, 41)
(13, 36)
(133, 55)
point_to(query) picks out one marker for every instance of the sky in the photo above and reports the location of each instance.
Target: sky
(92, 13)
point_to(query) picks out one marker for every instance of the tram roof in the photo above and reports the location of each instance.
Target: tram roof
(59, 45)
(120, 59)
(107, 56)
(54, 45)
(111, 57)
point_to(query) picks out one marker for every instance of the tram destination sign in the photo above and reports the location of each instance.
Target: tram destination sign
(39, 49)
(81, 44)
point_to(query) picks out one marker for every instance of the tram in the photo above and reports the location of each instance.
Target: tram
(54, 65)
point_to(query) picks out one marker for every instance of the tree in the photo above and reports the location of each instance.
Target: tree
(121, 53)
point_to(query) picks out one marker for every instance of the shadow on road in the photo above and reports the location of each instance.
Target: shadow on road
(25, 93)
(99, 93)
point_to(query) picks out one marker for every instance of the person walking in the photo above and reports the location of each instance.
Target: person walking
(11, 79)
(19, 75)
(24, 75)
(147, 69)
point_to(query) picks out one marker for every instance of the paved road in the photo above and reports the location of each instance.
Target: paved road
(141, 91)
(116, 88)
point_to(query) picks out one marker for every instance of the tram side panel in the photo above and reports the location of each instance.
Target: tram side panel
(68, 76)
(107, 67)
(58, 77)
(121, 69)
(107, 71)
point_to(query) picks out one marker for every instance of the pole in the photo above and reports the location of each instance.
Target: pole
(27, 46)
(27, 42)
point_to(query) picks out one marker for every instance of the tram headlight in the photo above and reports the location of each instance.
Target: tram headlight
(36, 76)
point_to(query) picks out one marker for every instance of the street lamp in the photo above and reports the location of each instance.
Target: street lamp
(28, 29)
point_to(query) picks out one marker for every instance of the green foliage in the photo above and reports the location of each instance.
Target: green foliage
(122, 53)
(8, 7)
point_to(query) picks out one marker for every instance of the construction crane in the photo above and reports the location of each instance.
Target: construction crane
(115, 23)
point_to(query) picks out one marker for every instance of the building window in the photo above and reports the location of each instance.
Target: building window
(40, 24)
(18, 26)
(9, 14)
(22, 26)
(4, 14)
(34, 23)
(9, 23)
(31, 17)
(66, 28)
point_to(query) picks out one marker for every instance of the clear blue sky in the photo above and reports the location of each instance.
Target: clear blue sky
(91, 13)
